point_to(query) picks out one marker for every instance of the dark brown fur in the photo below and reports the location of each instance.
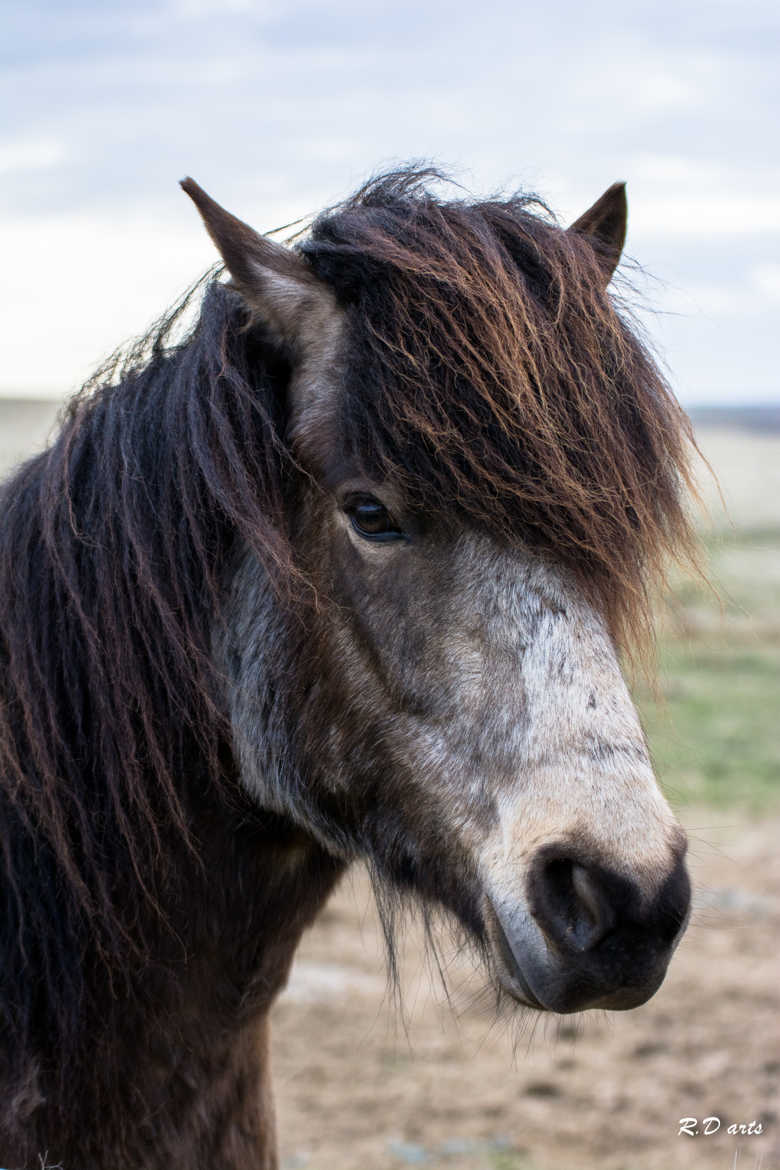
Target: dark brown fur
(149, 911)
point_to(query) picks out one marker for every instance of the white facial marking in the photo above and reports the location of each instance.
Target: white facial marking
(528, 710)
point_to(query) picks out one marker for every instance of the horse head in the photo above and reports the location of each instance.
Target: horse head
(485, 471)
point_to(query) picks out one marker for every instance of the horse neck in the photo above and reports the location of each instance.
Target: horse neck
(117, 719)
(259, 884)
(173, 1071)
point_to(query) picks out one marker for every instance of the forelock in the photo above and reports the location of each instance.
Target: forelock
(490, 375)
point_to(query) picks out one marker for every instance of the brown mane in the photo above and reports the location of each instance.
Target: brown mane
(143, 888)
(493, 375)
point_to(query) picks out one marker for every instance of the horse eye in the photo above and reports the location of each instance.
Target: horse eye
(371, 520)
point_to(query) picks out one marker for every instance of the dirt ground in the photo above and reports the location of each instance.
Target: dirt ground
(361, 1087)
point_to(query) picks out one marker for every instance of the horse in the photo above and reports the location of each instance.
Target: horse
(343, 571)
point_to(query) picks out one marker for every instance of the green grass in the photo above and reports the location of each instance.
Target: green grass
(715, 734)
(506, 1160)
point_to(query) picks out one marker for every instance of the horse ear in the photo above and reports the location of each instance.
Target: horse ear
(604, 224)
(275, 282)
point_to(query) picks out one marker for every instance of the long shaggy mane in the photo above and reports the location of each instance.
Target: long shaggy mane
(490, 376)
(493, 377)
(113, 548)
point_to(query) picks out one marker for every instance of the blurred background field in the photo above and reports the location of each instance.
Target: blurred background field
(716, 734)
(364, 1083)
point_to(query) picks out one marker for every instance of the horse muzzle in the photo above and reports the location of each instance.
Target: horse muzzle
(583, 936)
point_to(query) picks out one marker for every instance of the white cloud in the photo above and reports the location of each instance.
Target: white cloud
(642, 78)
(201, 8)
(664, 169)
(79, 286)
(746, 294)
(766, 280)
(281, 109)
(706, 214)
(30, 155)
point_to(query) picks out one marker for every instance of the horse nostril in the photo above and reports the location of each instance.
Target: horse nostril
(595, 908)
(570, 904)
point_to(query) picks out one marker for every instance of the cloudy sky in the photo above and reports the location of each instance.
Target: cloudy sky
(279, 108)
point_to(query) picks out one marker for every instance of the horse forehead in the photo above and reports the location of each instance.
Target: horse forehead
(507, 582)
